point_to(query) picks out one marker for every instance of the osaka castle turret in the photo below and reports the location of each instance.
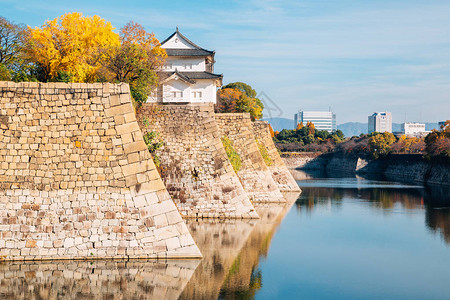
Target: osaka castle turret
(187, 75)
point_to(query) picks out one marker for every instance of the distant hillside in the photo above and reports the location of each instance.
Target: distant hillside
(354, 128)
(279, 124)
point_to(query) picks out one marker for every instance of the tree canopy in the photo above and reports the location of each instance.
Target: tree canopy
(135, 60)
(75, 48)
(307, 138)
(238, 97)
(73, 44)
(11, 41)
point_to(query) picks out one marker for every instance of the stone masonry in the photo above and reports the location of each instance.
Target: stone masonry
(254, 174)
(194, 165)
(77, 180)
(102, 279)
(280, 172)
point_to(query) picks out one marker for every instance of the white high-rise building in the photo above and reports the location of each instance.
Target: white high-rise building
(322, 120)
(187, 75)
(414, 129)
(380, 122)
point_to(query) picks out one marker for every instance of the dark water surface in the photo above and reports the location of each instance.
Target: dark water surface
(342, 238)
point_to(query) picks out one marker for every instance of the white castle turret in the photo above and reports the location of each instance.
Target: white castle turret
(187, 75)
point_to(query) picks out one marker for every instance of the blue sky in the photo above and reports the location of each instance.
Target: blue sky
(355, 56)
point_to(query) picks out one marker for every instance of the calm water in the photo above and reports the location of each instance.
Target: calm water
(342, 238)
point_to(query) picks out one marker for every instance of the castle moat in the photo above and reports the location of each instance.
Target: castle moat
(341, 238)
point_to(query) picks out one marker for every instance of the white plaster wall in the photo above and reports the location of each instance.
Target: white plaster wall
(198, 64)
(208, 89)
(206, 86)
(176, 86)
(177, 42)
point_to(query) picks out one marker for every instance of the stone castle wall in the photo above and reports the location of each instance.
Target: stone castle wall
(194, 164)
(77, 180)
(280, 173)
(254, 174)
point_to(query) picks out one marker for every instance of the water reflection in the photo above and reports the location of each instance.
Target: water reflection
(388, 197)
(95, 280)
(220, 243)
(245, 279)
(232, 251)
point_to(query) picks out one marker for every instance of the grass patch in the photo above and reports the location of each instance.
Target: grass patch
(233, 156)
(264, 153)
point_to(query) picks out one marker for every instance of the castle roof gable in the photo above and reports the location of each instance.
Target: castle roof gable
(179, 45)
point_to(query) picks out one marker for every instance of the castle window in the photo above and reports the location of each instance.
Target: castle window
(188, 66)
(197, 94)
(176, 94)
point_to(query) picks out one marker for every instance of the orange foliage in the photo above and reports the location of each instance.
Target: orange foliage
(134, 33)
(272, 134)
(311, 128)
(227, 100)
(300, 126)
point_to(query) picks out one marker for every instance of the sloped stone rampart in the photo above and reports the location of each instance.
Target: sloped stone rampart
(77, 180)
(280, 172)
(194, 165)
(254, 174)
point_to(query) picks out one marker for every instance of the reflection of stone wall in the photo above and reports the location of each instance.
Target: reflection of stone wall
(280, 173)
(220, 243)
(254, 174)
(247, 278)
(194, 165)
(304, 160)
(95, 280)
(77, 179)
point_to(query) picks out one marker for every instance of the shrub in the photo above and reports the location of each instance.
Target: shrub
(153, 141)
(232, 154)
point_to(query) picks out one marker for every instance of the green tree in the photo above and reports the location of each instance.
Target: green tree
(231, 100)
(438, 142)
(5, 75)
(135, 61)
(12, 38)
(380, 143)
(248, 101)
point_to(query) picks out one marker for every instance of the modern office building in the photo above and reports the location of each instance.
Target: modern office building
(380, 122)
(414, 129)
(322, 120)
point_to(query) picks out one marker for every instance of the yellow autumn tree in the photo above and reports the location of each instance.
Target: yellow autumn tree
(135, 61)
(73, 44)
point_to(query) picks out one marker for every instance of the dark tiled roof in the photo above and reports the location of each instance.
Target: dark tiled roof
(188, 41)
(200, 75)
(188, 52)
(190, 76)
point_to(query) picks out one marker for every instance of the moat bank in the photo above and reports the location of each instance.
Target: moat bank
(398, 167)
